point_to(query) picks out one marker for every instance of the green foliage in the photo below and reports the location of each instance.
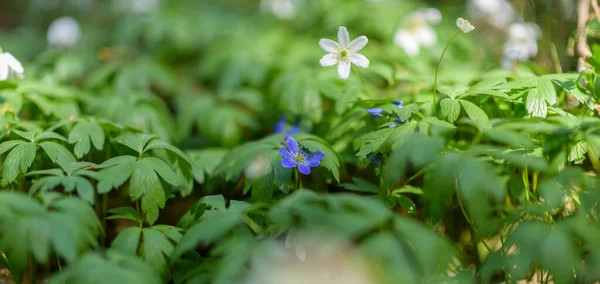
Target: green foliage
(151, 151)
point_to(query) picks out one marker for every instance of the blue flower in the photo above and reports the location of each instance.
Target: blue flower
(376, 111)
(399, 103)
(375, 158)
(286, 129)
(293, 156)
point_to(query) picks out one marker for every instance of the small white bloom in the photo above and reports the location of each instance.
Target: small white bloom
(498, 13)
(416, 31)
(283, 9)
(9, 66)
(64, 32)
(464, 25)
(344, 52)
(521, 44)
(137, 6)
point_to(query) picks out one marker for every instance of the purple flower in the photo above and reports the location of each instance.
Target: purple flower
(293, 156)
(286, 129)
(376, 111)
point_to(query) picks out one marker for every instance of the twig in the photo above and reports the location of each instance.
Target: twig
(582, 49)
(596, 9)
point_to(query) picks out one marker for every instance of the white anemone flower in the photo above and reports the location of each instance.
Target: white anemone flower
(416, 31)
(138, 6)
(283, 9)
(464, 25)
(9, 66)
(498, 13)
(521, 44)
(64, 32)
(344, 52)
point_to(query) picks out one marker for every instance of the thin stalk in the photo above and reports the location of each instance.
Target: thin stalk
(437, 70)
(594, 160)
(362, 82)
(255, 227)
(471, 226)
(525, 178)
(59, 265)
(137, 208)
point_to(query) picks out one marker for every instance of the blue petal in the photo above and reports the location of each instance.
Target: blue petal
(398, 103)
(304, 169)
(280, 126)
(295, 129)
(315, 159)
(288, 163)
(376, 111)
(292, 146)
(398, 120)
(286, 154)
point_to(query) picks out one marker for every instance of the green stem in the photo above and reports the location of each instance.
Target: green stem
(255, 227)
(137, 208)
(59, 265)
(362, 82)
(525, 178)
(437, 70)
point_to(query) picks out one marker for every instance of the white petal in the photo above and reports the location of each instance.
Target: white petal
(431, 15)
(407, 41)
(329, 45)
(328, 60)
(343, 36)
(3, 70)
(357, 44)
(344, 70)
(426, 36)
(12, 62)
(464, 25)
(359, 60)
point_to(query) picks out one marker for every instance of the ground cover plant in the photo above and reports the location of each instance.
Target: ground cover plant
(298, 141)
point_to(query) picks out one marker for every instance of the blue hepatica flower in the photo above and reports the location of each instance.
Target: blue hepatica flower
(399, 103)
(375, 158)
(293, 156)
(286, 129)
(376, 111)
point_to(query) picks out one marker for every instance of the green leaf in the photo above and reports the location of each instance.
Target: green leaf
(107, 267)
(114, 172)
(124, 213)
(145, 185)
(361, 185)
(127, 241)
(157, 246)
(163, 170)
(536, 103)
(83, 135)
(18, 161)
(450, 109)
(474, 112)
(58, 154)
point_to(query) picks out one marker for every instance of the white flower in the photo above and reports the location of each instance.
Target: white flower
(283, 9)
(138, 6)
(521, 43)
(498, 13)
(416, 31)
(64, 32)
(9, 66)
(464, 25)
(344, 52)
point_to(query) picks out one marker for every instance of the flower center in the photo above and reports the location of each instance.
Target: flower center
(299, 158)
(344, 54)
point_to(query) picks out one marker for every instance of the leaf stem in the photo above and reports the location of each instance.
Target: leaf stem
(437, 70)
(362, 82)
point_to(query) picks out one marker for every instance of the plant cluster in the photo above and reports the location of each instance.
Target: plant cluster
(208, 142)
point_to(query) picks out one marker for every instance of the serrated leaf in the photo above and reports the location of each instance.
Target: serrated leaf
(473, 111)
(58, 154)
(18, 161)
(83, 135)
(114, 172)
(536, 103)
(450, 109)
(145, 185)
